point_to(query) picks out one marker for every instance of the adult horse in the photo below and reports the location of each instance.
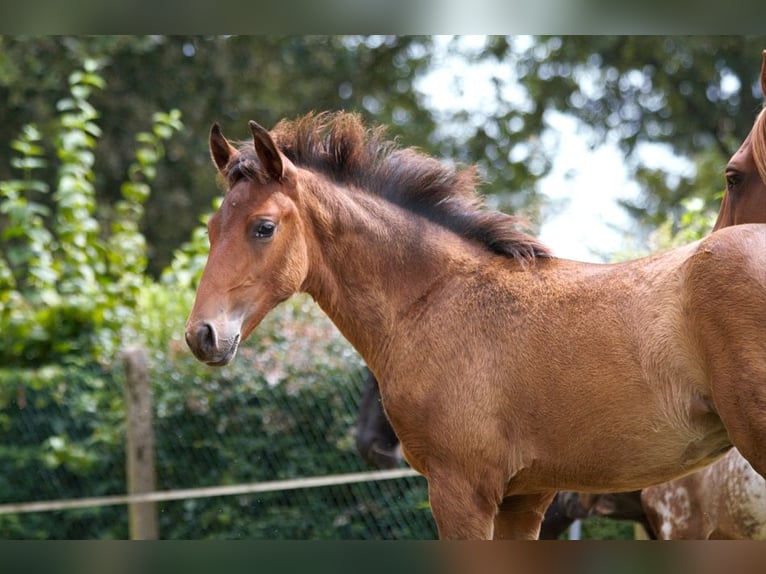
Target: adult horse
(506, 373)
(728, 498)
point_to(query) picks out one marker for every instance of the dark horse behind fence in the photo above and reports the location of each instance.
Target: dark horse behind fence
(376, 440)
(506, 373)
(728, 498)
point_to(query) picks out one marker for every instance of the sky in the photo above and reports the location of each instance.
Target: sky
(586, 222)
(586, 184)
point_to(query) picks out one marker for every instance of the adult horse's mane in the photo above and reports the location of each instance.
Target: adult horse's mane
(341, 147)
(759, 143)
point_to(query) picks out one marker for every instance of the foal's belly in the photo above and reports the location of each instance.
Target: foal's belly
(623, 463)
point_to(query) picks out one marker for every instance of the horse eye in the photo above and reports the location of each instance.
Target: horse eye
(732, 180)
(263, 229)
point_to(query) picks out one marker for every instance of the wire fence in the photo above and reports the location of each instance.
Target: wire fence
(241, 453)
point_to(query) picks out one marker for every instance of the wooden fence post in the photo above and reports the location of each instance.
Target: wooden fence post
(139, 443)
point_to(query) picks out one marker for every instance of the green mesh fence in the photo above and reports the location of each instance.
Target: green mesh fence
(286, 408)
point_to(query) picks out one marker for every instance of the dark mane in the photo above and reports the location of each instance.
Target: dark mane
(340, 146)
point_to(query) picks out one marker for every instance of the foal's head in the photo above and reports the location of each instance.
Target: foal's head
(258, 256)
(745, 198)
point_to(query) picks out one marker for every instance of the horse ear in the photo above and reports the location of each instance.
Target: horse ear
(220, 149)
(267, 151)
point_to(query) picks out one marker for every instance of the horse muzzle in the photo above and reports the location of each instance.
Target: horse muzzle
(209, 346)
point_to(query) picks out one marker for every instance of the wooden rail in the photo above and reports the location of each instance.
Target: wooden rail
(205, 492)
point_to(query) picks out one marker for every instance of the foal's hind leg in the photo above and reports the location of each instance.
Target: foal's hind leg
(519, 517)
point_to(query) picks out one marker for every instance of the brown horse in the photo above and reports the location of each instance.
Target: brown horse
(507, 374)
(728, 498)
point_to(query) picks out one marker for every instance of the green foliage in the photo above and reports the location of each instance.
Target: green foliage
(673, 201)
(62, 429)
(694, 221)
(189, 260)
(607, 529)
(229, 79)
(286, 408)
(126, 254)
(65, 289)
(694, 94)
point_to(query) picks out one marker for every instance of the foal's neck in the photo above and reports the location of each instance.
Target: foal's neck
(374, 261)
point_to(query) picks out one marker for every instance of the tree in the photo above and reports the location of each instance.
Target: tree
(697, 95)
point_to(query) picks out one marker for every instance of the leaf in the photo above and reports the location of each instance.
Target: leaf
(163, 131)
(93, 129)
(93, 80)
(66, 104)
(146, 156)
(28, 163)
(145, 138)
(26, 148)
(80, 92)
(137, 192)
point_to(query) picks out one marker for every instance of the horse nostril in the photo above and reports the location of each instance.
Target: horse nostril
(205, 338)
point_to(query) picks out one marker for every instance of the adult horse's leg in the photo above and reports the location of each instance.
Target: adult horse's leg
(744, 415)
(731, 331)
(519, 517)
(739, 389)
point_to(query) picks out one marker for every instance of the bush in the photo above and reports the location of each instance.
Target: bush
(285, 408)
(62, 438)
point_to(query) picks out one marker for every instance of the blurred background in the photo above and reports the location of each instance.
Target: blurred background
(611, 146)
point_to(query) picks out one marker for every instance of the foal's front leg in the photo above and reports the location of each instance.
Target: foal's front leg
(460, 512)
(519, 517)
